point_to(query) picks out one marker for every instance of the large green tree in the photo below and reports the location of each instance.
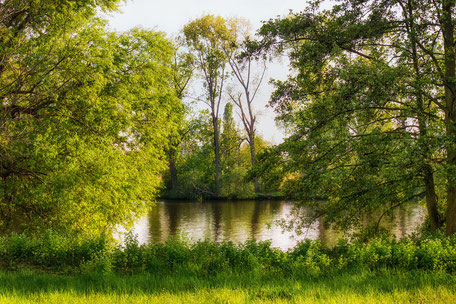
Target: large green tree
(183, 72)
(210, 39)
(84, 117)
(371, 105)
(248, 69)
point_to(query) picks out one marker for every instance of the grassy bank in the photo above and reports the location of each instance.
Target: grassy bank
(380, 286)
(53, 253)
(55, 269)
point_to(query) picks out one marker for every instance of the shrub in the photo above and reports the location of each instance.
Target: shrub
(53, 252)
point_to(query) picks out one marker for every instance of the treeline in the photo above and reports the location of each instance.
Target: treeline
(93, 123)
(191, 163)
(212, 156)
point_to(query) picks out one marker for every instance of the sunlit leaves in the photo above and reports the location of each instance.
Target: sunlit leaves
(84, 121)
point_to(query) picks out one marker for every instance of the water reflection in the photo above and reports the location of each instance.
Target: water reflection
(240, 221)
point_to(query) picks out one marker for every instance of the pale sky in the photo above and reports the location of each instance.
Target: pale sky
(170, 16)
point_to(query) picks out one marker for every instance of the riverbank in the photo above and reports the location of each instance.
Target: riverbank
(54, 253)
(58, 269)
(171, 196)
(378, 286)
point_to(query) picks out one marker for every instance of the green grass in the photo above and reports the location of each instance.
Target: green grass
(380, 286)
(56, 269)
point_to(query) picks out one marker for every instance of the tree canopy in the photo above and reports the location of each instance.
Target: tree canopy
(93, 122)
(370, 105)
(84, 117)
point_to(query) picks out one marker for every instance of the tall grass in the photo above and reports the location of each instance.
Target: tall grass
(378, 286)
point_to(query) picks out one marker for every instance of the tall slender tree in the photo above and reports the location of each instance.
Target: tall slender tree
(230, 139)
(244, 63)
(207, 37)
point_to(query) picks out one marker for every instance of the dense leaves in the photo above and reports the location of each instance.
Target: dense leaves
(84, 117)
(369, 104)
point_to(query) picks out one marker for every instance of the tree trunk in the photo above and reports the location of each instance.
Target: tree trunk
(172, 169)
(450, 115)
(451, 203)
(217, 155)
(426, 169)
(451, 176)
(431, 199)
(256, 184)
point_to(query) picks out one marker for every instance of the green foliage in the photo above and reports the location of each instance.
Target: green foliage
(269, 168)
(368, 121)
(194, 160)
(53, 252)
(234, 185)
(209, 35)
(84, 120)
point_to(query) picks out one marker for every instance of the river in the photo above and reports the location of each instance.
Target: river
(239, 221)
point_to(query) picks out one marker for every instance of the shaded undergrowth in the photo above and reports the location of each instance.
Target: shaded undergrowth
(53, 253)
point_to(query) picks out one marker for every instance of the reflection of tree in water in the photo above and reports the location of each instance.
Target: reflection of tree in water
(254, 223)
(217, 214)
(260, 209)
(172, 213)
(275, 207)
(237, 221)
(236, 218)
(156, 234)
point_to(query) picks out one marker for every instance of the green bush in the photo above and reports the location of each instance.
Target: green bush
(50, 251)
(56, 253)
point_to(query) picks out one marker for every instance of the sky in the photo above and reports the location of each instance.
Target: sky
(170, 16)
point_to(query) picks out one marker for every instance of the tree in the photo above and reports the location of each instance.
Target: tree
(194, 159)
(371, 106)
(234, 170)
(207, 38)
(230, 139)
(242, 62)
(83, 120)
(183, 70)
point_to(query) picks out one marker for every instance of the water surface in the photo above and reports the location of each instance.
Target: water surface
(239, 221)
